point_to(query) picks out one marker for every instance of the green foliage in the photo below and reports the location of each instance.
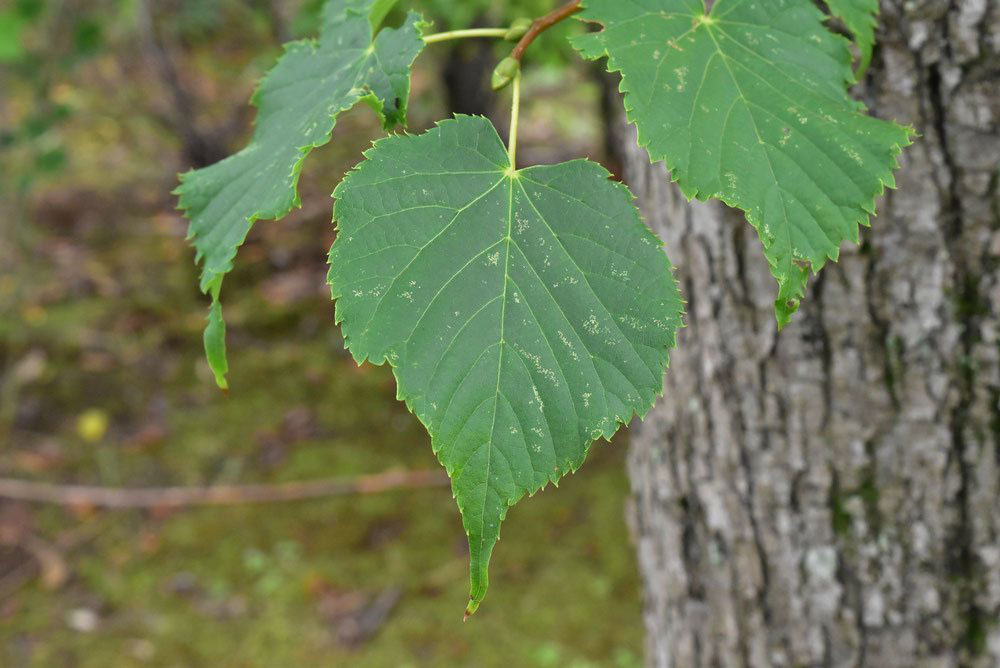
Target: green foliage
(298, 102)
(11, 27)
(525, 313)
(749, 104)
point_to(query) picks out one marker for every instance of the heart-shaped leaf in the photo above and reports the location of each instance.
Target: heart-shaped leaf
(525, 313)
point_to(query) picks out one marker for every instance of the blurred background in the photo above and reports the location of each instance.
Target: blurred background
(103, 382)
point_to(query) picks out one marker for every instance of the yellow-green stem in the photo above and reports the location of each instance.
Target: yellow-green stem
(515, 113)
(465, 34)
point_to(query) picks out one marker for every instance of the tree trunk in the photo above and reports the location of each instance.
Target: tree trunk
(828, 496)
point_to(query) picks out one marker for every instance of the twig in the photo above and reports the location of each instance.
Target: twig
(542, 24)
(175, 497)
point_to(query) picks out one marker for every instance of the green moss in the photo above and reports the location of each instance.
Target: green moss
(977, 628)
(839, 517)
(970, 303)
(869, 495)
(894, 367)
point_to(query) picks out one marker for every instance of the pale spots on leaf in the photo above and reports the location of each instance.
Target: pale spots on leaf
(536, 361)
(853, 154)
(538, 398)
(521, 222)
(569, 345)
(681, 73)
(632, 322)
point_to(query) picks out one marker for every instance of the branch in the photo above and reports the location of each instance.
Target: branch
(542, 24)
(175, 497)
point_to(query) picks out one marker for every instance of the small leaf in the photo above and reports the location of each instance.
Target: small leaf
(749, 104)
(859, 17)
(525, 313)
(215, 339)
(298, 103)
(377, 11)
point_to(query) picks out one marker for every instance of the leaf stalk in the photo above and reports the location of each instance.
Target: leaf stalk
(465, 34)
(515, 114)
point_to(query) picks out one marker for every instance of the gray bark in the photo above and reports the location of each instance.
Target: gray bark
(828, 495)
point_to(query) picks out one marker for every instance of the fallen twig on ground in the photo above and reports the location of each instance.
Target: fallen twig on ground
(173, 497)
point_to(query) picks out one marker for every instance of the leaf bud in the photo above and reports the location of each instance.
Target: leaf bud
(505, 73)
(517, 29)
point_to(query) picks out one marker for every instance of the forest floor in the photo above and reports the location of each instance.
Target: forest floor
(104, 384)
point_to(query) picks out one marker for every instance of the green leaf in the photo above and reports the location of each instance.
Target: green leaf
(215, 339)
(377, 12)
(525, 313)
(12, 26)
(859, 17)
(298, 103)
(749, 104)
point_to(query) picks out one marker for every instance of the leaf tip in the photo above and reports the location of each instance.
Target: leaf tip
(470, 609)
(784, 309)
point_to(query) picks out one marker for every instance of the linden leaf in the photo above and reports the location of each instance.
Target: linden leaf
(748, 103)
(298, 103)
(525, 313)
(859, 17)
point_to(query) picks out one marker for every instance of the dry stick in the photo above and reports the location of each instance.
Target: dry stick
(542, 24)
(173, 497)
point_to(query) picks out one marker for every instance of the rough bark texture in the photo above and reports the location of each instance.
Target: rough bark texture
(828, 496)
